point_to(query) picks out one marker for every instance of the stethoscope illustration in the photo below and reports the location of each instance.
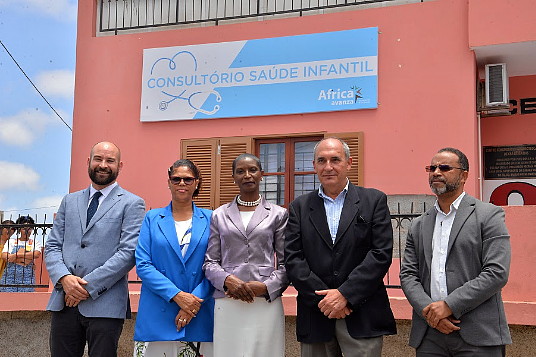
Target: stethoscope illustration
(163, 105)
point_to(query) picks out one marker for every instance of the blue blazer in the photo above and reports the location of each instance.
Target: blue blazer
(165, 272)
(102, 253)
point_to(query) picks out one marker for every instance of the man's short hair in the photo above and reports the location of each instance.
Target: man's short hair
(108, 142)
(462, 159)
(345, 146)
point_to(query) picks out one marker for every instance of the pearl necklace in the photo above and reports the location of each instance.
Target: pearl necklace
(248, 203)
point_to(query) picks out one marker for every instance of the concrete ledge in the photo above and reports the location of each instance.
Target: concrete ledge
(517, 312)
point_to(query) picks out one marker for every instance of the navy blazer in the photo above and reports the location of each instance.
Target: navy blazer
(355, 264)
(165, 272)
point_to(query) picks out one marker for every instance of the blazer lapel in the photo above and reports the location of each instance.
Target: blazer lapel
(113, 197)
(466, 208)
(83, 202)
(167, 227)
(427, 234)
(349, 210)
(199, 226)
(234, 216)
(261, 212)
(319, 220)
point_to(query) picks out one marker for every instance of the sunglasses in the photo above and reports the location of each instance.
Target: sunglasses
(187, 180)
(442, 168)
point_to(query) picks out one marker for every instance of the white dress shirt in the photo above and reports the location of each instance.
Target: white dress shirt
(105, 192)
(440, 243)
(333, 209)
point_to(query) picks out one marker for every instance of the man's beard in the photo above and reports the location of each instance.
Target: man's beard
(449, 187)
(102, 181)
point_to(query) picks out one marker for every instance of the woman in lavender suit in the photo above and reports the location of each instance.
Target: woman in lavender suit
(244, 262)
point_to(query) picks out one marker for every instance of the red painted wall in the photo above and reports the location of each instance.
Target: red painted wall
(517, 129)
(501, 21)
(426, 93)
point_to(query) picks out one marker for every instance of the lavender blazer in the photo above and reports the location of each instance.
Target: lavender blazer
(252, 253)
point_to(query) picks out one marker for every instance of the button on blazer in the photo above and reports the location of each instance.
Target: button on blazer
(355, 264)
(477, 267)
(101, 253)
(252, 253)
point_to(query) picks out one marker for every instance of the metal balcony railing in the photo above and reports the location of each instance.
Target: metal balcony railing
(120, 15)
(21, 278)
(22, 272)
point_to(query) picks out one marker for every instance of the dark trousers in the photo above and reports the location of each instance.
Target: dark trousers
(437, 344)
(69, 331)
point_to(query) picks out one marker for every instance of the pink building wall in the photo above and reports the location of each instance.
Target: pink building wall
(493, 22)
(505, 130)
(426, 86)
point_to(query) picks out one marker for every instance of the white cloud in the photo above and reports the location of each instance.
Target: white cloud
(46, 207)
(18, 176)
(59, 83)
(42, 210)
(65, 10)
(24, 127)
(48, 202)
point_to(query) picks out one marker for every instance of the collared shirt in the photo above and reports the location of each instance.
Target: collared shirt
(105, 192)
(333, 209)
(440, 243)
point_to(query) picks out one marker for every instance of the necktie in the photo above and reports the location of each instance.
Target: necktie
(93, 206)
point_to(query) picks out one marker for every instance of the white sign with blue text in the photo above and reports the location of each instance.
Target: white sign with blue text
(284, 75)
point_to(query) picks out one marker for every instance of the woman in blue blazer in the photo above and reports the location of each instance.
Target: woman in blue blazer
(176, 310)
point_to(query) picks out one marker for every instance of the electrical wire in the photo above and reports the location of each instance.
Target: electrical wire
(29, 209)
(38, 91)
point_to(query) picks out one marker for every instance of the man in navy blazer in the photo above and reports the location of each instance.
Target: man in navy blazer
(339, 243)
(456, 262)
(88, 259)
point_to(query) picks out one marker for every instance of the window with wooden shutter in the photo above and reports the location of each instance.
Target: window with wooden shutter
(355, 142)
(203, 153)
(287, 162)
(214, 158)
(229, 149)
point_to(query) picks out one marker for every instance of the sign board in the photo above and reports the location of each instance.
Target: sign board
(284, 75)
(509, 162)
(510, 175)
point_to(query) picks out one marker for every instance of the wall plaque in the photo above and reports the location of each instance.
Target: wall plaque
(509, 162)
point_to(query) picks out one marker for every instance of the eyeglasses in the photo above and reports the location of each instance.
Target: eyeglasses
(187, 180)
(442, 168)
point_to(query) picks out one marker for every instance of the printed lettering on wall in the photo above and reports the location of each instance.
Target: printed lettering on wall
(284, 75)
(510, 175)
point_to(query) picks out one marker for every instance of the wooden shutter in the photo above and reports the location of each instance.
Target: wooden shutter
(203, 153)
(229, 149)
(355, 142)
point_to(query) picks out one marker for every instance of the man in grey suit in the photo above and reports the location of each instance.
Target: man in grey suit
(456, 261)
(88, 254)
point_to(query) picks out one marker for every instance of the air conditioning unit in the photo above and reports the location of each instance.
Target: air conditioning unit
(496, 85)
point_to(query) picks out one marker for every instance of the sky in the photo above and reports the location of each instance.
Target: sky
(35, 145)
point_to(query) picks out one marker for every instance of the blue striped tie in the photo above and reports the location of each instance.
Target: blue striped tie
(93, 206)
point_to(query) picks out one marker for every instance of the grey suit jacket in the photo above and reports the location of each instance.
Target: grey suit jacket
(252, 253)
(477, 267)
(102, 253)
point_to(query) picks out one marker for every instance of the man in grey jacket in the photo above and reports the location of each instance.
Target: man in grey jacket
(88, 255)
(456, 262)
